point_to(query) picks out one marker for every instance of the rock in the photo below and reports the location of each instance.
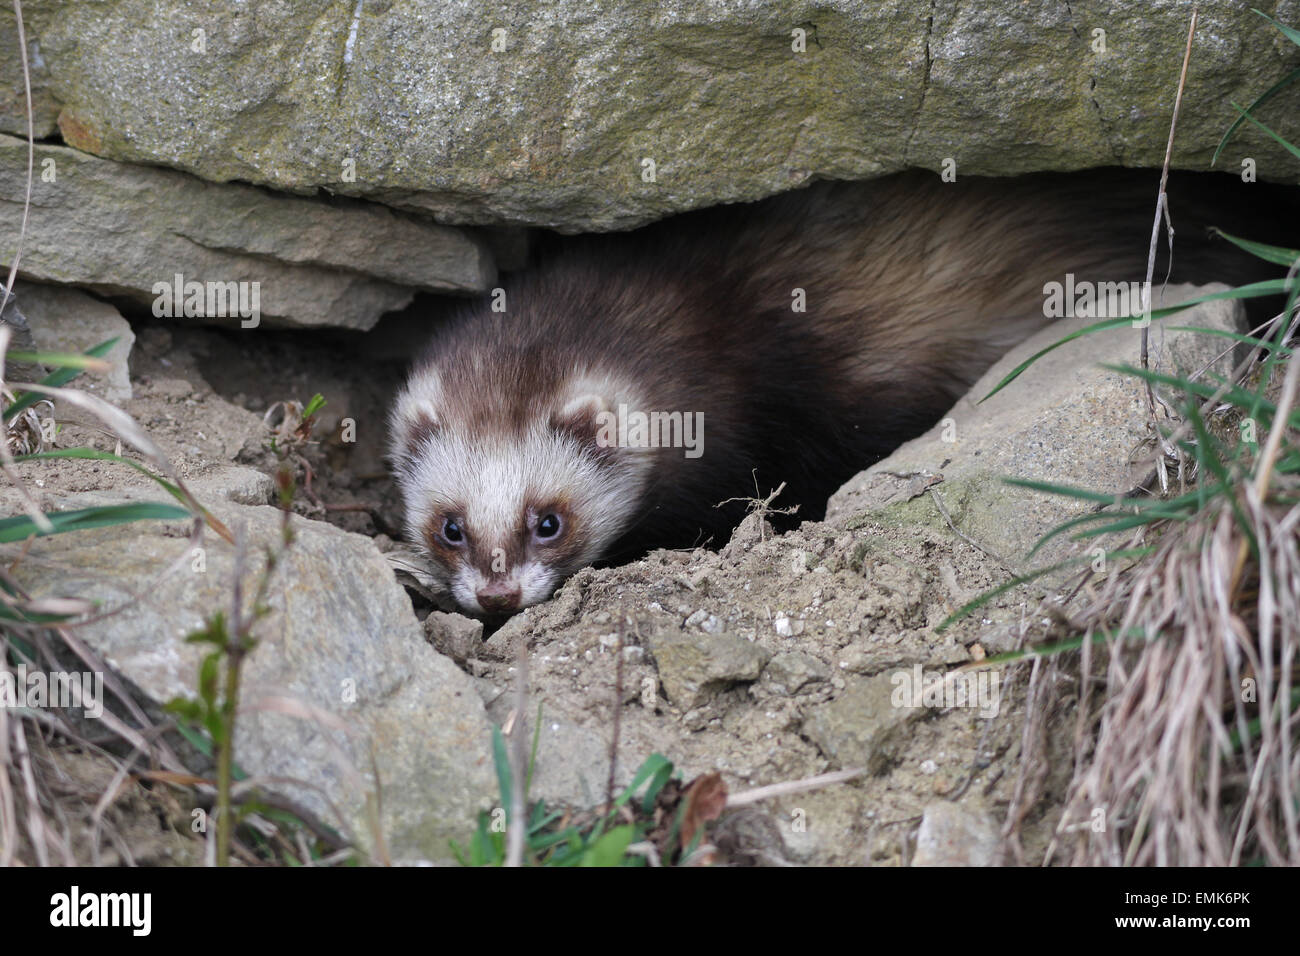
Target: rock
(695, 666)
(65, 320)
(341, 639)
(749, 837)
(237, 483)
(861, 727)
(455, 635)
(196, 429)
(13, 99)
(1065, 421)
(789, 671)
(20, 339)
(705, 621)
(955, 835)
(785, 627)
(753, 529)
(121, 229)
(572, 765)
(554, 125)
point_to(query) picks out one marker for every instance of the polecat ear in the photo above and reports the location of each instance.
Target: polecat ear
(585, 416)
(415, 425)
(422, 428)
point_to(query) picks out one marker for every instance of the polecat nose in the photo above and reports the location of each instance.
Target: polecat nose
(499, 597)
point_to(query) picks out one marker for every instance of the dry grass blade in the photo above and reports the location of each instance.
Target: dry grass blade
(6, 457)
(17, 766)
(8, 807)
(36, 826)
(1264, 472)
(791, 786)
(1162, 212)
(1193, 761)
(31, 157)
(126, 428)
(517, 829)
(122, 424)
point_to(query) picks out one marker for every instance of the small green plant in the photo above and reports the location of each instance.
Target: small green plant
(218, 700)
(215, 708)
(217, 704)
(632, 831)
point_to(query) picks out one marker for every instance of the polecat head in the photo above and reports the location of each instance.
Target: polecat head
(507, 484)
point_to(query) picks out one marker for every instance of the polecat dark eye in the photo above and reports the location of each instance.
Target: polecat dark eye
(549, 526)
(452, 532)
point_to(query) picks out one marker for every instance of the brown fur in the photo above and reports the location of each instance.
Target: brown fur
(914, 287)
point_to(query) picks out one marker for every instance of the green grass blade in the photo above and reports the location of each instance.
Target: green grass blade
(502, 761)
(1124, 524)
(55, 380)
(1263, 98)
(1090, 518)
(94, 454)
(652, 790)
(1270, 361)
(1291, 34)
(1015, 582)
(1274, 254)
(1249, 291)
(8, 613)
(652, 765)
(1207, 454)
(315, 405)
(1233, 395)
(77, 360)
(1158, 505)
(548, 840)
(541, 819)
(1080, 333)
(203, 745)
(610, 849)
(21, 527)
(1071, 644)
(1293, 150)
(1068, 491)
(1251, 340)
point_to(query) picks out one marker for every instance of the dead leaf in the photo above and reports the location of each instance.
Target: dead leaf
(706, 796)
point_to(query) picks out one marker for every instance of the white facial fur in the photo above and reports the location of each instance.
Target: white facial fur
(499, 483)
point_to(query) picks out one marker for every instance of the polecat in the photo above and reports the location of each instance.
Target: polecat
(506, 442)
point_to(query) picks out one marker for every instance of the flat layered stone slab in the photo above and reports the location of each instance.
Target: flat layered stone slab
(122, 229)
(551, 112)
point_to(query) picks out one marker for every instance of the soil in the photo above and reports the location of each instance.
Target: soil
(828, 607)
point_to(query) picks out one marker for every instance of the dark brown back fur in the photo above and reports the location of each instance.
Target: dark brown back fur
(914, 287)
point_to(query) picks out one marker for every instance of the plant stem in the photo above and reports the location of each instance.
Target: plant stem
(226, 749)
